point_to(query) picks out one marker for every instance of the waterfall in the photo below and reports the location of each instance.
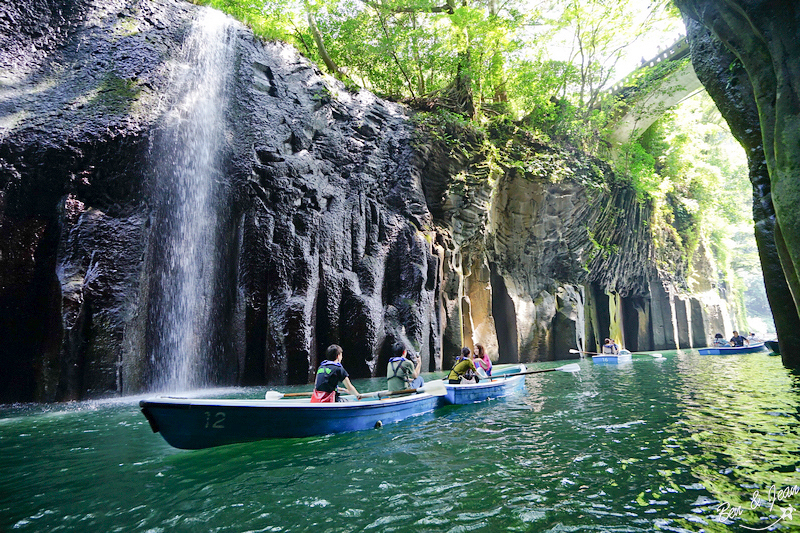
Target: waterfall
(190, 195)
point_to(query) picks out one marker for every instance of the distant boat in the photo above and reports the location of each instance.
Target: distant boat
(773, 346)
(494, 386)
(623, 356)
(725, 350)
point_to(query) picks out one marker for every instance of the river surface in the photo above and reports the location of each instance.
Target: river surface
(678, 444)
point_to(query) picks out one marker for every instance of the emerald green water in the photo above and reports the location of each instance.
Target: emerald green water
(648, 446)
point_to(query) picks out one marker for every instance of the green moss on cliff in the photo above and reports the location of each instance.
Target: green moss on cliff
(117, 94)
(503, 145)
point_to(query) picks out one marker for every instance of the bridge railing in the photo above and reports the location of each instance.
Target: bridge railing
(677, 50)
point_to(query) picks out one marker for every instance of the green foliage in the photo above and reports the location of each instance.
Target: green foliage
(650, 76)
(636, 165)
(688, 165)
(450, 128)
(268, 19)
(479, 57)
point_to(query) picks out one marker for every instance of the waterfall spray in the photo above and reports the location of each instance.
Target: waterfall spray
(190, 196)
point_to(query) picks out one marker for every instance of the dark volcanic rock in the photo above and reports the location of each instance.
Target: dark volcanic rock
(337, 222)
(330, 222)
(322, 229)
(78, 99)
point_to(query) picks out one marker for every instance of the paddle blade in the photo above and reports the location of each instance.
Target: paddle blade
(573, 350)
(273, 395)
(574, 367)
(655, 355)
(434, 388)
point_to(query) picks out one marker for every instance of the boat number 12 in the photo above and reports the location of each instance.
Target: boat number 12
(216, 422)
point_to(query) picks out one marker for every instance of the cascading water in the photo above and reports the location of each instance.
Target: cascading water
(190, 196)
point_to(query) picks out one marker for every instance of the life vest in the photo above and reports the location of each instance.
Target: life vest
(397, 367)
(323, 397)
(610, 348)
(329, 375)
(323, 367)
(462, 372)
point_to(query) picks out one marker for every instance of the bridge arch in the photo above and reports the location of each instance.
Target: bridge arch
(640, 108)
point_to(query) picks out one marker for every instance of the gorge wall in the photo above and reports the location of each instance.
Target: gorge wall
(745, 53)
(342, 221)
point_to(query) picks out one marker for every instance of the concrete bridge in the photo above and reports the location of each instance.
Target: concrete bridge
(640, 108)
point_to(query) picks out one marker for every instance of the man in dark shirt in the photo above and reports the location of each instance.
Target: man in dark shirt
(738, 340)
(329, 374)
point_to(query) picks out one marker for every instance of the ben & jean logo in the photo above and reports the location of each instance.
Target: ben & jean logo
(726, 511)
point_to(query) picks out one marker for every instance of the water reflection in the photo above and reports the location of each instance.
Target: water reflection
(739, 433)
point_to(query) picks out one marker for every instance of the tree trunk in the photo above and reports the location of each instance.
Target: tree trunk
(323, 52)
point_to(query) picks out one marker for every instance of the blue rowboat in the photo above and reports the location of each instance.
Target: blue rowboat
(193, 424)
(623, 356)
(488, 388)
(725, 350)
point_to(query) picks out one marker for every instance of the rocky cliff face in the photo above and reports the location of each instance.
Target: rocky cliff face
(745, 53)
(339, 222)
(550, 256)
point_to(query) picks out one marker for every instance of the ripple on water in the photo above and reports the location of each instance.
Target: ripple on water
(639, 449)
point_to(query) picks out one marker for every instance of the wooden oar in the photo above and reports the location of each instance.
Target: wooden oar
(275, 395)
(572, 367)
(573, 350)
(434, 388)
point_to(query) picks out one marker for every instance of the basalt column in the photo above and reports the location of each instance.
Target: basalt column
(746, 53)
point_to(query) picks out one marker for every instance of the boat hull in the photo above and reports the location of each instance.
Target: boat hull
(612, 359)
(488, 388)
(725, 350)
(193, 424)
(773, 346)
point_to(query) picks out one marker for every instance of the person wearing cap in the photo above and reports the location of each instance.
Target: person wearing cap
(719, 340)
(329, 374)
(401, 372)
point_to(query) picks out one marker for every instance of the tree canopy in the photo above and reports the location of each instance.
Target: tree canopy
(476, 57)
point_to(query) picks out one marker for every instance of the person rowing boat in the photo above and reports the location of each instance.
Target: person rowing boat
(401, 372)
(329, 374)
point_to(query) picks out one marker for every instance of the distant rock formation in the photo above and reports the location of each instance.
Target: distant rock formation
(343, 223)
